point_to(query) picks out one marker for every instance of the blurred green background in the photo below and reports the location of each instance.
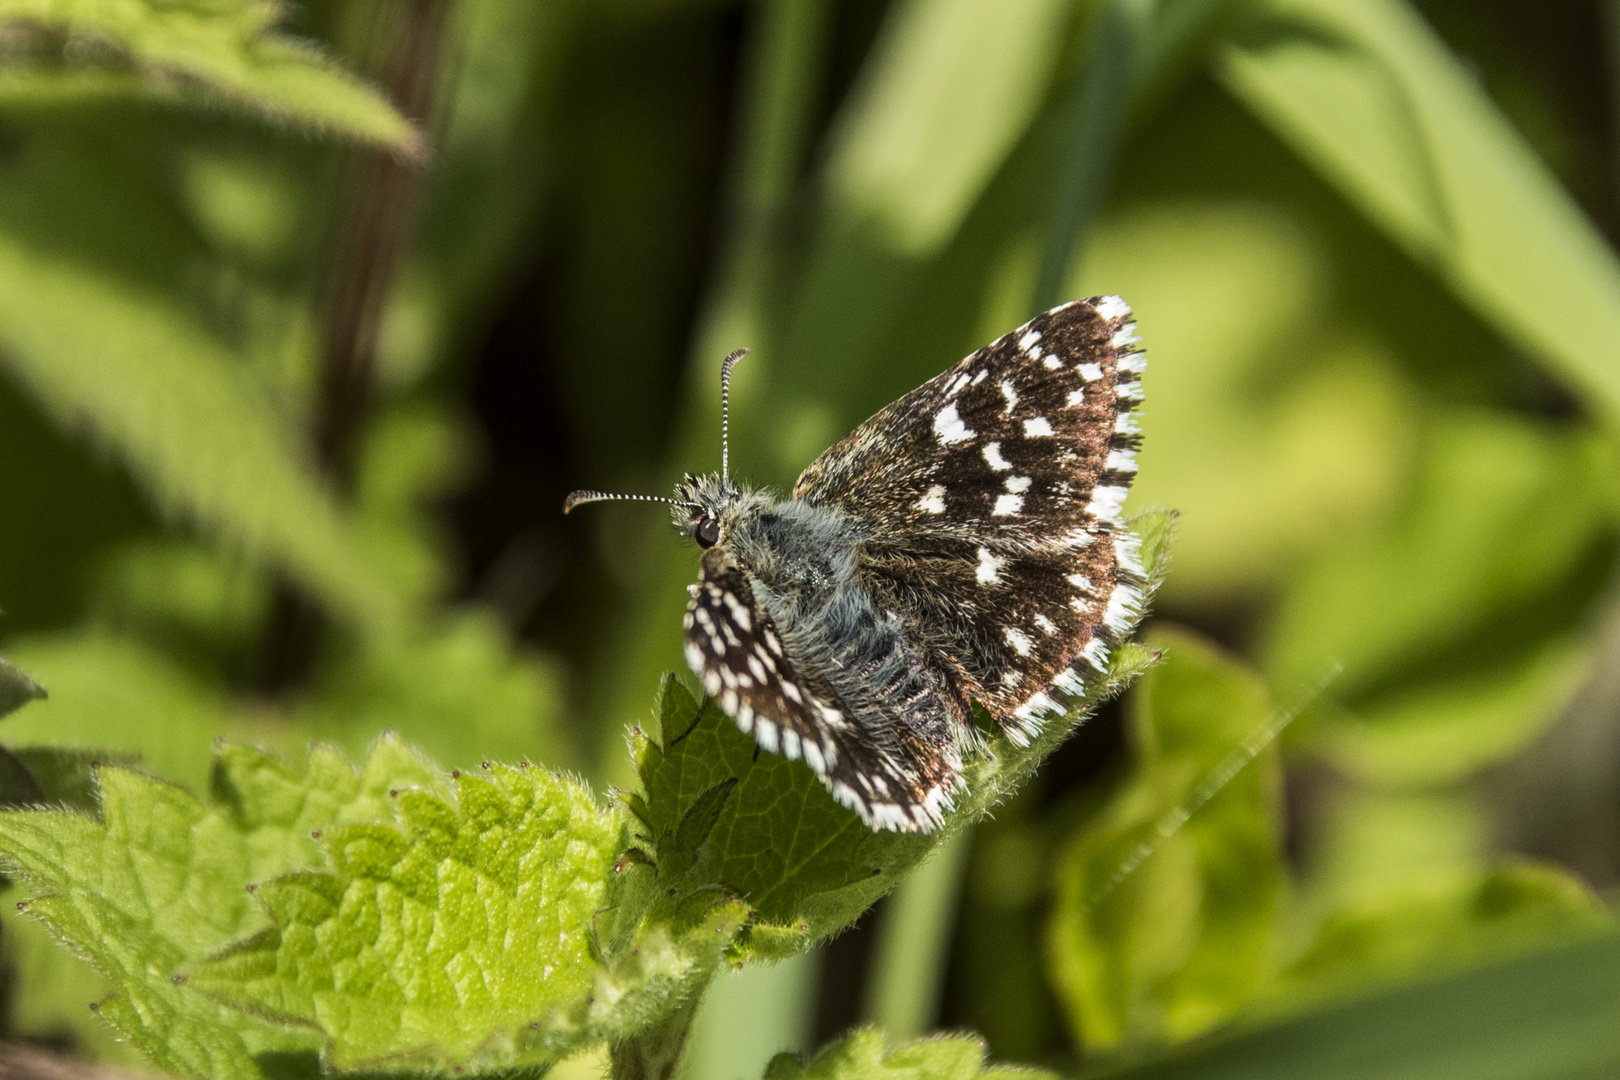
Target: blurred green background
(293, 382)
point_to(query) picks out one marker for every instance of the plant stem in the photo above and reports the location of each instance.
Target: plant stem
(1099, 106)
(371, 234)
(750, 1016)
(914, 942)
(654, 1053)
(374, 229)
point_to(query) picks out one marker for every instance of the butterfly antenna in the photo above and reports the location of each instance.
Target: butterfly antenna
(725, 411)
(577, 498)
(1246, 751)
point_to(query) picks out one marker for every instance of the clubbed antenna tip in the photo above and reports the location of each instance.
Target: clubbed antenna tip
(577, 498)
(725, 410)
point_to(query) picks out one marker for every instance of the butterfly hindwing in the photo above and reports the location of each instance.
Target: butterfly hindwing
(747, 665)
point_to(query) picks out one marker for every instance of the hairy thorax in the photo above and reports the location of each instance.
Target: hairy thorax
(804, 556)
(808, 566)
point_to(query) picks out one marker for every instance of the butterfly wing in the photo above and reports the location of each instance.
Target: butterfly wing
(992, 497)
(746, 664)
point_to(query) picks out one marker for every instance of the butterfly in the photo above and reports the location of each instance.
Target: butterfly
(962, 545)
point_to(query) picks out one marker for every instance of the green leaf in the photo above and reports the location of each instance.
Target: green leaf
(418, 944)
(1183, 941)
(206, 53)
(1459, 622)
(16, 688)
(139, 370)
(1448, 727)
(161, 878)
(68, 776)
(1540, 1017)
(59, 993)
(1372, 98)
(950, 89)
(475, 934)
(861, 1055)
(1405, 933)
(713, 810)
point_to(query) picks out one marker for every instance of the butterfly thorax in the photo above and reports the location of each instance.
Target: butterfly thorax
(800, 564)
(797, 557)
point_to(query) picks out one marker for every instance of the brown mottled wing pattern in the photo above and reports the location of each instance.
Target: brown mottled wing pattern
(992, 495)
(746, 665)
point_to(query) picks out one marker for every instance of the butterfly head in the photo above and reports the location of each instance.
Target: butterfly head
(701, 507)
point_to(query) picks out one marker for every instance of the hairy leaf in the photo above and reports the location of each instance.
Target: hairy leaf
(712, 810)
(488, 923)
(861, 1055)
(1169, 945)
(474, 934)
(406, 946)
(66, 776)
(160, 880)
(200, 52)
(59, 992)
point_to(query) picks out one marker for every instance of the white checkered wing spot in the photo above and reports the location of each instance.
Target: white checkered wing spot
(748, 667)
(991, 496)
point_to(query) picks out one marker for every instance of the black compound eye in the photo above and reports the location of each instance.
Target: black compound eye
(707, 532)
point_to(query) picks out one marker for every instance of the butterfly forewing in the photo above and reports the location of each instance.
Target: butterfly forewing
(992, 495)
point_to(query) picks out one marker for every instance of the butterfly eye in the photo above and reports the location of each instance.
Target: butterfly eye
(707, 532)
